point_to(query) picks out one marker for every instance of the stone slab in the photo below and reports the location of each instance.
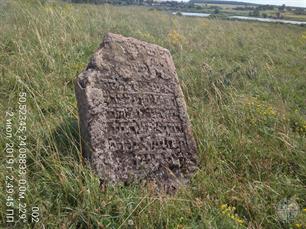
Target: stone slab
(133, 117)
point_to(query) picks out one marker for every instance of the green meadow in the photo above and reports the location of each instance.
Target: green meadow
(245, 88)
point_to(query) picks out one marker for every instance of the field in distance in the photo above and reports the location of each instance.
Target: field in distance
(265, 11)
(225, 9)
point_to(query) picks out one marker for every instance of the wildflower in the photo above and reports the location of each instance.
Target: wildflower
(175, 38)
(229, 211)
(298, 225)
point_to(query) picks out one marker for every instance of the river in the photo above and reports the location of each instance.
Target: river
(191, 14)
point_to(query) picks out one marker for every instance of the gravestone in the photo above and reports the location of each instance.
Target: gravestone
(133, 118)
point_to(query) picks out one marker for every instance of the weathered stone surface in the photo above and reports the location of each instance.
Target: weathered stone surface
(133, 115)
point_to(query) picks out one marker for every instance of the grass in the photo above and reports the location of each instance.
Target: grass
(245, 87)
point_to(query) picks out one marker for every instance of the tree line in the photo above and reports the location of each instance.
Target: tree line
(120, 2)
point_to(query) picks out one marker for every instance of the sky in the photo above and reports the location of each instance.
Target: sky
(297, 3)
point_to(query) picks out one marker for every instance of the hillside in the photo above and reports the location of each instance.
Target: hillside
(245, 88)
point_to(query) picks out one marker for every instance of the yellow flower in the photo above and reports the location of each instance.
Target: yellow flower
(229, 211)
(298, 225)
(240, 221)
(175, 38)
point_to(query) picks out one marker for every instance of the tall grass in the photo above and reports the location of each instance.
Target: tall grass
(245, 87)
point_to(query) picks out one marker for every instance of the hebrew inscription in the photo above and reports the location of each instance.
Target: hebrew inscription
(133, 117)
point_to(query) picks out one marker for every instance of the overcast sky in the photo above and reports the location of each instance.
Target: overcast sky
(299, 3)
